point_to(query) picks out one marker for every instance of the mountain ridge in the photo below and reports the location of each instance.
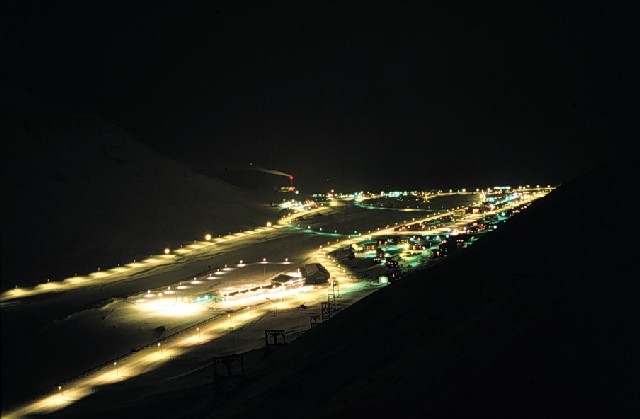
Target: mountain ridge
(82, 194)
(526, 328)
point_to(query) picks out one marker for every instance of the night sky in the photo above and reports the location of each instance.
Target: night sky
(351, 95)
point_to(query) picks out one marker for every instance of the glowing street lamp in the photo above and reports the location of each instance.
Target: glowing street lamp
(207, 237)
(269, 224)
(167, 250)
(115, 364)
(160, 346)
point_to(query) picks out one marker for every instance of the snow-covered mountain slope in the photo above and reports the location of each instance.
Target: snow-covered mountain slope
(80, 193)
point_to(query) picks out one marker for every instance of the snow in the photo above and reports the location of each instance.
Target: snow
(531, 321)
(81, 194)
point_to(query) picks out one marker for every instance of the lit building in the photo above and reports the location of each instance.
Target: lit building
(315, 273)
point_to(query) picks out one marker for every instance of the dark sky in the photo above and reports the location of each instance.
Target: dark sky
(346, 94)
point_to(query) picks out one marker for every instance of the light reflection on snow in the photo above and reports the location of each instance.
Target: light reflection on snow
(256, 303)
(171, 307)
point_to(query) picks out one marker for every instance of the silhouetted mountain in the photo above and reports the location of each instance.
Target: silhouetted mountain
(80, 193)
(535, 320)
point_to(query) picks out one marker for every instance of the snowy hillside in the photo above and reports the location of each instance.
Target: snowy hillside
(80, 193)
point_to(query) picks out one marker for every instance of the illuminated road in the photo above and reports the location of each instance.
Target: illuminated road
(145, 314)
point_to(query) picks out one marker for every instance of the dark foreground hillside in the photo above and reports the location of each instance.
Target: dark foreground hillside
(539, 319)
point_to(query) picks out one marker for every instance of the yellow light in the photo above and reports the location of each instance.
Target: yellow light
(167, 250)
(207, 237)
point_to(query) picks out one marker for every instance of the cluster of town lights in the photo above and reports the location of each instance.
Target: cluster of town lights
(134, 364)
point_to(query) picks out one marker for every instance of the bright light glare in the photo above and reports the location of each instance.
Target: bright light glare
(169, 307)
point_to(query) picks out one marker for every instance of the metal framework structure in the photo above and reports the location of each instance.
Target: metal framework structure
(314, 320)
(277, 337)
(326, 311)
(331, 299)
(228, 372)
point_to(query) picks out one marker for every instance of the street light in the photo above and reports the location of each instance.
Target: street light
(160, 346)
(115, 364)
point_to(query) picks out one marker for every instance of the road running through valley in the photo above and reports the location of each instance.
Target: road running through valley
(76, 336)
